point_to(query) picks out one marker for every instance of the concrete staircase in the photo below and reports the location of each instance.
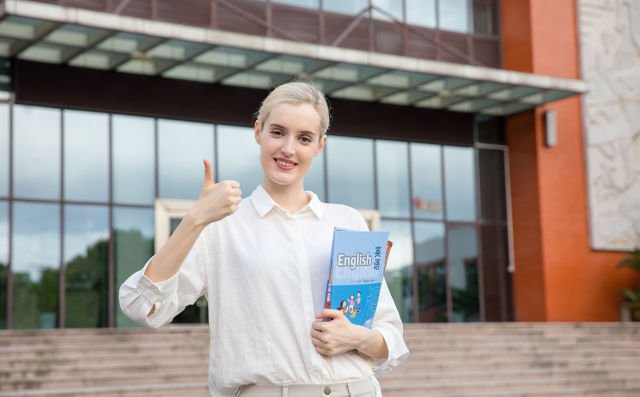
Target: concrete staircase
(484, 359)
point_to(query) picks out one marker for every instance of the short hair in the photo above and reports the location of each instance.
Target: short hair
(296, 93)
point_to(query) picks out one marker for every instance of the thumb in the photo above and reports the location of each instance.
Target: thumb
(208, 173)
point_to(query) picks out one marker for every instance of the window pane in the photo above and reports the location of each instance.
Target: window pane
(426, 181)
(496, 278)
(453, 15)
(459, 178)
(86, 156)
(133, 160)
(492, 184)
(239, 157)
(133, 245)
(314, 180)
(431, 271)
(421, 12)
(392, 171)
(86, 258)
(354, 188)
(4, 260)
(484, 16)
(4, 150)
(299, 3)
(399, 272)
(393, 7)
(36, 152)
(463, 273)
(181, 147)
(35, 264)
(351, 7)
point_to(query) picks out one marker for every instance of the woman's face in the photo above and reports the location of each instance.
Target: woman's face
(289, 140)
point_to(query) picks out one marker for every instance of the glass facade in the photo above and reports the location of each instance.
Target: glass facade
(90, 223)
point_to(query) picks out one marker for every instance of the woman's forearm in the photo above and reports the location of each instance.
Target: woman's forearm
(373, 345)
(169, 258)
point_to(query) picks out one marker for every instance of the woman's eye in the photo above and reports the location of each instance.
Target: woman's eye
(304, 139)
(276, 132)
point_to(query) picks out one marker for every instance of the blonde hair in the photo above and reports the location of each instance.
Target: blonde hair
(296, 93)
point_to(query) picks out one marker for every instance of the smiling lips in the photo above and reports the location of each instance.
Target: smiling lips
(285, 164)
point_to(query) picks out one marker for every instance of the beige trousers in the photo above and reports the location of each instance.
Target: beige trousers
(359, 388)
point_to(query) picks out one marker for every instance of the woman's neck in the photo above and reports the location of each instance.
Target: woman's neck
(290, 197)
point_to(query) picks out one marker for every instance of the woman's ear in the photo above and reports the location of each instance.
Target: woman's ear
(323, 141)
(256, 132)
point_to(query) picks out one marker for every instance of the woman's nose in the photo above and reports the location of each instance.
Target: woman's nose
(287, 147)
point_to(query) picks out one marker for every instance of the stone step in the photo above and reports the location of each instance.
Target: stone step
(510, 374)
(503, 385)
(183, 389)
(37, 369)
(516, 363)
(47, 382)
(541, 392)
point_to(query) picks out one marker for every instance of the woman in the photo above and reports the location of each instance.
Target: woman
(248, 257)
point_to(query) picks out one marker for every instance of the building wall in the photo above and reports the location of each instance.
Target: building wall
(558, 277)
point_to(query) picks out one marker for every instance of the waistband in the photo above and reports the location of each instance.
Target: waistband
(363, 387)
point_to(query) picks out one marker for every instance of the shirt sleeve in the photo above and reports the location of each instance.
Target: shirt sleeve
(387, 321)
(138, 294)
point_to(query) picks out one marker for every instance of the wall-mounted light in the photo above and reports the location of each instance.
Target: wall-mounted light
(550, 128)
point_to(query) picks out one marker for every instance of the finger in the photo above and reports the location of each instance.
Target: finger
(233, 184)
(208, 173)
(318, 326)
(330, 313)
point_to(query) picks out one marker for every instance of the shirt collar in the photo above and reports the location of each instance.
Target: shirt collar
(263, 203)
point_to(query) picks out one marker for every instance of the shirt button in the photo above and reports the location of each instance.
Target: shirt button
(327, 390)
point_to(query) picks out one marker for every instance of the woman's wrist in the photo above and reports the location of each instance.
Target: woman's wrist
(373, 344)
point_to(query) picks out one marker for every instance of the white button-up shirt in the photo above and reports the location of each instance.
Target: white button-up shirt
(264, 272)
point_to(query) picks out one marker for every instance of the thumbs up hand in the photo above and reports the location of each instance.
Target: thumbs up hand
(216, 201)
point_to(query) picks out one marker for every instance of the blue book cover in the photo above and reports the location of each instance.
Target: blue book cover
(357, 267)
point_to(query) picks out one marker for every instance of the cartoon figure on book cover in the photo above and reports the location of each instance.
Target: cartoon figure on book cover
(343, 307)
(358, 300)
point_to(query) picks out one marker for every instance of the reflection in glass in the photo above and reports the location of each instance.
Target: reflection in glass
(459, 178)
(36, 152)
(133, 246)
(133, 160)
(399, 272)
(4, 261)
(454, 15)
(314, 179)
(86, 156)
(351, 7)
(426, 181)
(496, 280)
(181, 147)
(35, 248)
(392, 171)
(484, 16)
(355, 187)
(431, 271)
(86, 258)
(462, 244)
(4, 150)
(421, 12)
(239, 157)
(492, 184)
(393, 7)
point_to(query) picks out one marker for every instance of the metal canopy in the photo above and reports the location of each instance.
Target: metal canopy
(82, 38)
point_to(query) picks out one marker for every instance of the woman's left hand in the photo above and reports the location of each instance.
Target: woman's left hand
(338, 335)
